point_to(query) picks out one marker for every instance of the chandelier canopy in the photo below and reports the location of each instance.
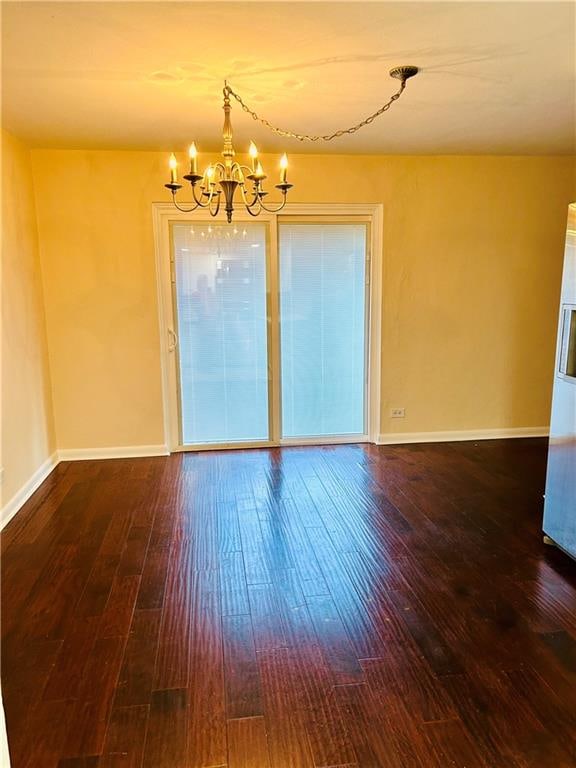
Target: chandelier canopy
(224, 179)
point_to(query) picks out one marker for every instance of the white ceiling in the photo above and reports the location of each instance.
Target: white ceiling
(496, 77)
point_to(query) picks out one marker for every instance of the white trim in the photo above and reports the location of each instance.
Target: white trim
(165, 212)
(291, 209)
(287, 442)
(376, 315)
(397, 438)
(22, 496)
(119, 452)
(164, 295)
(4, 752)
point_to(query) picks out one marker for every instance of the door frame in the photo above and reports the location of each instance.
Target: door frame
(163, 214)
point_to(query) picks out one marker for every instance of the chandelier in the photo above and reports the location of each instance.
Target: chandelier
(222, 180)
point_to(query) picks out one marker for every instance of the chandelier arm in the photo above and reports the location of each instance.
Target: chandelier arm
(244, 169)
(215, 211)
(243, 172)
(184, 210)
(245, 201)
(257, 212)
(198, 202)
(236, 168)
(211, 195)
(276, 209)
(401, 75)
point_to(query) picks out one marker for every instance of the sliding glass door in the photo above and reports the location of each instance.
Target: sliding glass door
(220, 292)
(272, 340)
(323, 329)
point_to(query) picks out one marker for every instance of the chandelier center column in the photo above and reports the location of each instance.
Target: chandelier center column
(227, 182)
(228, 150)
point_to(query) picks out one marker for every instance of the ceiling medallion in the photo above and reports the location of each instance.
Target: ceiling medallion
(222, 180)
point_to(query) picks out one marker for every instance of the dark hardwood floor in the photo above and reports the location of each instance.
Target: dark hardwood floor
(339, 606)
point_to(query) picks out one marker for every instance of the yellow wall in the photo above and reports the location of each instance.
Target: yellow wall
(472, 264)
(27, 423)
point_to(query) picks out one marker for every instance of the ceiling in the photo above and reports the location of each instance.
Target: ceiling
(495, 77)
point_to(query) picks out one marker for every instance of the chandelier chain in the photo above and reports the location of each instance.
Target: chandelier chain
(307, 137)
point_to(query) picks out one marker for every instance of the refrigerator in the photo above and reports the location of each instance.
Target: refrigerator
(560, 495)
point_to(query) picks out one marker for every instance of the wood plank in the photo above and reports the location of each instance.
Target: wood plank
(334, 640)
(404, 674)
(243, 697)
(117, 615)
(424, 631)
(207, 712)
(49, 609)
(24, 677)
(248, 743)
(229, 539)
(93, 761)
(287, 740)
(89, 720)
(563, 646)
(153, 582)
(269, 628)
(95, 596)
(379, 737)
(233, 589)
(125, 738)
(67, 673)
(550, 703)
(166, 745)
(42, 741)
(318, 711)
(475, 706)
(134, 552)
(448, 743)
(172, 662)
(136, 678)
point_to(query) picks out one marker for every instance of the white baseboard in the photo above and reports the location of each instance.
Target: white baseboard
(21, 496)
(139, 451)
(73, 454)
(119, 452)
(397, 438)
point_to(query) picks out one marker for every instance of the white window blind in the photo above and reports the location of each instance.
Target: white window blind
(323, 328)
(220, 288)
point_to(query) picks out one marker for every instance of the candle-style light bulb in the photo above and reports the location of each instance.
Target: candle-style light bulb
(193, 154)
(259, 172)
(173, 163)
(283, 168)
(253, 152)
(208, 173)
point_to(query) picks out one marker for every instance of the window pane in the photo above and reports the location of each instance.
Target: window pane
(322, 323)
(221, 299)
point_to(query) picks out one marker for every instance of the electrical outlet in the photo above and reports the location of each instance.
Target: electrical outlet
(397, 413)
